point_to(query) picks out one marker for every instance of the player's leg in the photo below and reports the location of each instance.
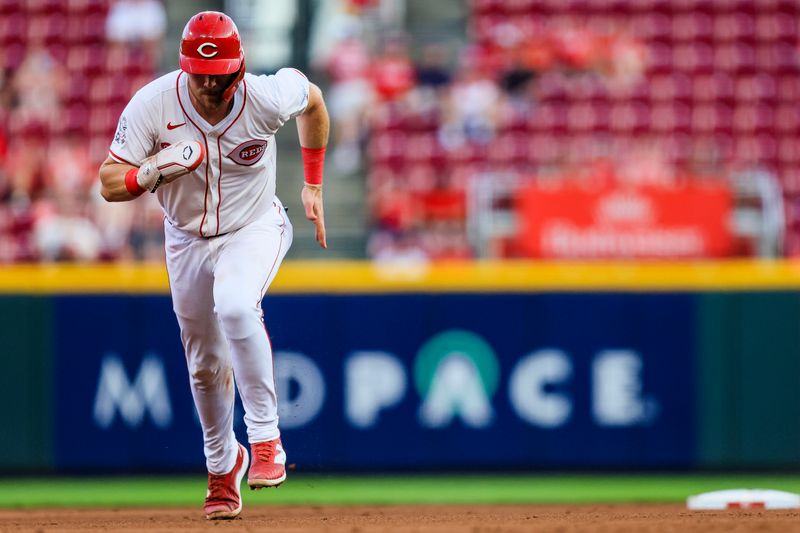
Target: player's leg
(210, 368)
(246, 265)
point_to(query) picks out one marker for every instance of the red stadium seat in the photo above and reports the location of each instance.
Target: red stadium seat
(724, 90)
(11, 56)
(660, 58)
(389, 148)
(13, 29)
(99, 7)
(483, 7)
(787, 119)
(421, 147)
(545, 148)
(93, 30)
(629, 117)
(77, 90)
(137, 63)
(551, 86)
(692, 26)
(738, 57)
(120, 91)
(77, 116)
(786, 58)
(785, 26)
(100, 91)
(789, 151)
(704, 118)
(519, 8)
(581, 117)
(723, 118)
(9, 7)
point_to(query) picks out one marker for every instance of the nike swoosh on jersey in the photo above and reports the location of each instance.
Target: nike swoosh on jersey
(171, 126)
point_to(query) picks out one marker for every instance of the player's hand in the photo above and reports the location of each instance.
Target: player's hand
(170, 164)
(312, 203)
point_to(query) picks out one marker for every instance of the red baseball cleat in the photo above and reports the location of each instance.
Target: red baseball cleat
(224, 499)
(269, 464)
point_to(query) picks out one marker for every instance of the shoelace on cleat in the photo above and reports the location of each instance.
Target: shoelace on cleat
(216, 487)
(266, 452)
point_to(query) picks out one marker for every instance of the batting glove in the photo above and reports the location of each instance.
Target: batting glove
(170, 164)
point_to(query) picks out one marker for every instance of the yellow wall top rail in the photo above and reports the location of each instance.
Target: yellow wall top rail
(342, 277)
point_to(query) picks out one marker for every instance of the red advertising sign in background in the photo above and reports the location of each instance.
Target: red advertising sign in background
(569, 221)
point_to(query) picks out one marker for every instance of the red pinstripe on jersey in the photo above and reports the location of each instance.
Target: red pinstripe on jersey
(219, 150)
(205, 141)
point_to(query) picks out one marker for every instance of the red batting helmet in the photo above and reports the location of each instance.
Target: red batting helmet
(211, 45)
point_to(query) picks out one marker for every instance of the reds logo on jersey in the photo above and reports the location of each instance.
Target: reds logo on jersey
(249, 152)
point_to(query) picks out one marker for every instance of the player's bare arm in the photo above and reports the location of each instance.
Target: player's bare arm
(112, 181)
(313, 126)
(121, 182)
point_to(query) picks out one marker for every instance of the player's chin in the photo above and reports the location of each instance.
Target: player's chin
(212, 98)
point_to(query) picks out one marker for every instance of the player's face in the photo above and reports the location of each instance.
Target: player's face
(208, 88)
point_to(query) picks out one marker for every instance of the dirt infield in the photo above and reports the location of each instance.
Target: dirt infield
(407, 518)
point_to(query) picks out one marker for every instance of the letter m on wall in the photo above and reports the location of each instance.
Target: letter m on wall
(147, 392)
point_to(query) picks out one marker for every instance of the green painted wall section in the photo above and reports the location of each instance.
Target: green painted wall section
(749, 379)
(26, 431)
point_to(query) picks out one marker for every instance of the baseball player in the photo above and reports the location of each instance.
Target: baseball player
(202, 139)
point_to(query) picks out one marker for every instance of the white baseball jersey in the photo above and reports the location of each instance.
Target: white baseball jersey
(235, 185)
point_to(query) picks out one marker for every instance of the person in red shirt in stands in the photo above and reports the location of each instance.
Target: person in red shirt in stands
(392, 72)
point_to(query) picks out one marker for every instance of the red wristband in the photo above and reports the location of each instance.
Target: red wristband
(313, 162)
(131, 184)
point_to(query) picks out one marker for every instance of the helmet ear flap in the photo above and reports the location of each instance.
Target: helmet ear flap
(228, 94)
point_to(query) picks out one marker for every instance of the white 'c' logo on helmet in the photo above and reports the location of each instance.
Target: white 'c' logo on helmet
(207, 54)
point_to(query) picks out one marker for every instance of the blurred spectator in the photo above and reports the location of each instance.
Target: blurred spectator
(393, 205)
(350, 97)
(471, 108)
(115, 223)
(64, 231)
(67, 166)
(646, 164)
(26, 163)
(518, 82)
(392, 72)
(16, 226)
(138, 22)
(60, 96)
(447, 240)
(432, 70)
(403, 247)
(36, 86)
(147, 235)
(576, 45)
(538, 52)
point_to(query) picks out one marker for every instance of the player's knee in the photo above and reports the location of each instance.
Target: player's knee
(238, 318)
(205, 375)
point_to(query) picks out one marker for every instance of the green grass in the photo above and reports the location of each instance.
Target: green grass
(320, 489)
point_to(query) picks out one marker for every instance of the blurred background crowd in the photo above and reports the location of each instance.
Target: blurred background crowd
(461, 129)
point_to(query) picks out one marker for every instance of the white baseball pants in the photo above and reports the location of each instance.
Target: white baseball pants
(217, 285)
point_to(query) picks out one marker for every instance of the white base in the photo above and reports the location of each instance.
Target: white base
(743, 499)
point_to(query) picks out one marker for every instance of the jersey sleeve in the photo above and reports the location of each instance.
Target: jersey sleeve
(136, 134)
(285, 95)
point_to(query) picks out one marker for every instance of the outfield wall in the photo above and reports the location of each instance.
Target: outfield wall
(514, 365)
